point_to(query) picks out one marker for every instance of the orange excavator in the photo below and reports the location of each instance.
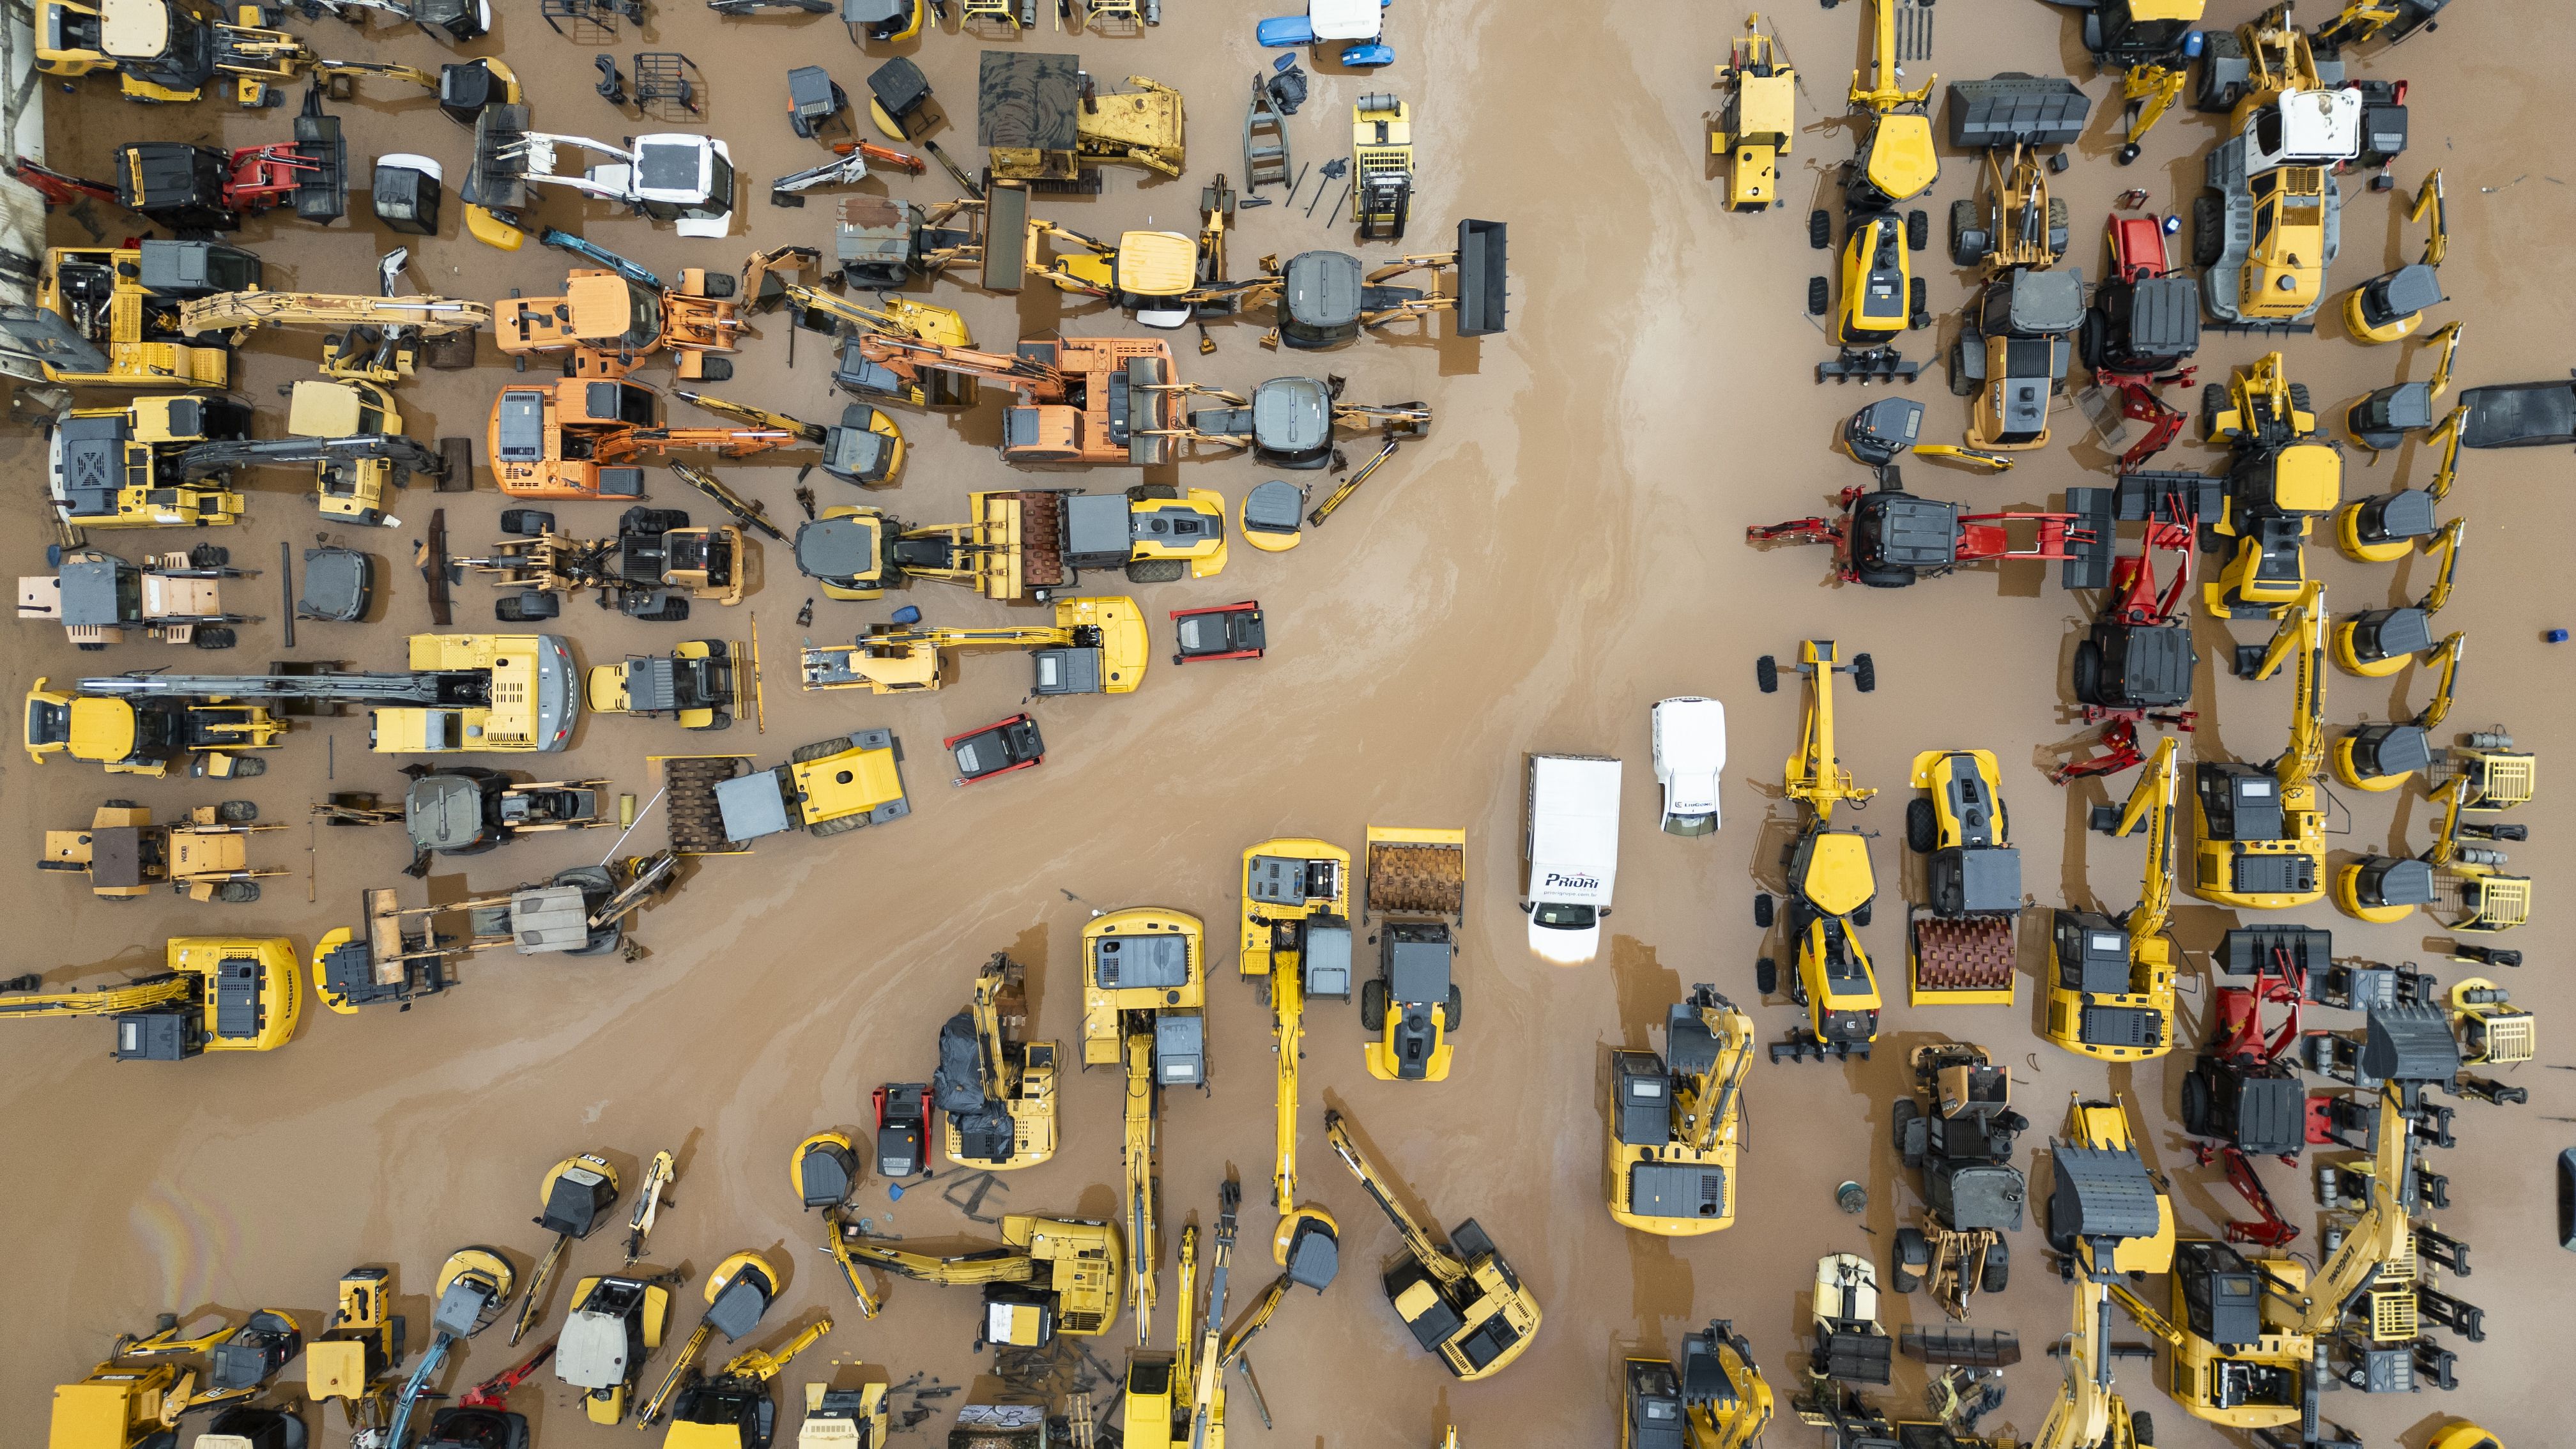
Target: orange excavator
(606, 323)
(1075, 399)
(589, 437)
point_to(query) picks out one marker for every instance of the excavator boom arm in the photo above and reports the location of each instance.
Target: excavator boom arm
(1434, 1258)
(409, 454)
(2381, 1234)
(114, 1001)
(1712, 1099)
(431, 316)
(2156, 784)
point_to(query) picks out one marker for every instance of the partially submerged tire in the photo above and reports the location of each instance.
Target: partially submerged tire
(2213, 401)
(1454, 1010)
(1373, 1006)
(526, 522)
(1766, 672)
(1766, 976)
(1961, 385)
(1901, 1118)
(2088, 672)
(1864, 673)
(819, 750)
(1860, 913)
(213, 638)
(1996, 1275)
(1762, 909)
(1918, 230)
(1922, 828)
(1918, 308)
(1819, 296)
(1155, 570)
(1820, 228)
(2208, 231)
(1963, 218)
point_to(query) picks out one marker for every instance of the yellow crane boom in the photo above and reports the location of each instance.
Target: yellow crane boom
(241, 312)
(1435, 1259)
(2152, 800)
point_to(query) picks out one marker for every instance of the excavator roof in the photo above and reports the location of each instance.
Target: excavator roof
(102, 729)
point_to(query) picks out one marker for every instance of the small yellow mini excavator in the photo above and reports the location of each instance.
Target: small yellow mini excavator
(2283, 475)
(574, 1198)
(738, 1295)
(217, 993)
(2449, 874)
(1296, 941)
(2382, 755)
(2106, 1216)
(1461, 1300)
(1830, 881)
(2376, 643)
(1676, 1120)
(2261, 828)
(1716, 1400)
(995, 1092)
(1095, 646)
(2111, 982)
(1051, 1276)
(825, 1170)
(1144, 1004)
(136, 1398)
(2391, 305)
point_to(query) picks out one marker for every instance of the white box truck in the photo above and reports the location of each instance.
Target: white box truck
(1571, 844)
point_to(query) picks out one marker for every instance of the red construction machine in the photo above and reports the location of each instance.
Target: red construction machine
(1887, 538)
(2141, 330)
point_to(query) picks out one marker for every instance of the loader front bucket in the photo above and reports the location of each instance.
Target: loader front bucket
(2017, 110)
(1483, 278)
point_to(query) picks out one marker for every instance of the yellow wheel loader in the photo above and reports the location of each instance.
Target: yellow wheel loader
(2261, 828)
(2283, 475)
(2111, 981)
(1830, 880)
(1676, 1121)
(996, 1092)
(1417, 880)
(1050, 1276)
(1760, 121)
(1461, 1301)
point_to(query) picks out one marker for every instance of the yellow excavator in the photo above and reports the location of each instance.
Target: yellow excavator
(1096, 645)
(108, 316)
(2247, 1344)
(1830, 881)
(2391, 306)
(2376, 643)
(214, 994)
(2262, 828)
(2111, 982)
(353, 1357)
(738, 1295)
(2283, 474)
(1676, 1120)
(1716, 1400)
(2387, 889)
(167, 51)
(1178, 1398)
(1051, 1276)
(1144, 1004)
(1297, 941)
(136, 1398)
(1461, 1300)
(995, 1093)
(766, 285)
(731, 1408)
(2382, 755)
(2107, 1216)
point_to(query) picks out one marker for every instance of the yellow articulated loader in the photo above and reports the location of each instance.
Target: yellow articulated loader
(1050, 1276)
(2111, 981)
(136, 1399)
(2262, 828)
(1461, 1300)
(205, 856)
(1715, 1399)
(110, 316)
(1095, 646)
(1144, 1004)
(1831, 883)
(1760, 121)
(1677, 1121)
(1296, 941)
(719, 804)
(2283, 475)
(655, 565)
(120, 467)
(217, 993)
(1417, 880)
(2268, 228)
(2105, 1217)
(996, 1092)
(206, 737)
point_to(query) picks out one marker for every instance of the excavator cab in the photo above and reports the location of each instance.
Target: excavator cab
(615, 1325)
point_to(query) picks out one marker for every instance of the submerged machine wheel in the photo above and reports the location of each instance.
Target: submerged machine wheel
(1963, 217)
(1996, 1275)
(215, 638)
(1961, 385)
(2142, 1428)
(1860, 913)
(1922, 829)
(526, 522)
(1766, 975)
(1766, 673)
(1901, 1118)
(2195, 1104)
(1918, 230)
(1918, 304)
(2299, 398)
(2088, 672)
(1762, 909)
(1373, 1006)
(1155, 570)
(819, 750)
(1820, 228)
(2208, 231)
(1864, 673)
(1454, 1010)
(1819, 296)
(2213, 401)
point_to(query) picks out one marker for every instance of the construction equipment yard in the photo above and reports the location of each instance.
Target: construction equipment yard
(1564, 548)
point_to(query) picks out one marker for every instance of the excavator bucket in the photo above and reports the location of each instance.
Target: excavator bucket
(499, 181)
(2408, 1042)
(1949, 1344)
(1483, 279)
(2017, 110)
(1006, 237)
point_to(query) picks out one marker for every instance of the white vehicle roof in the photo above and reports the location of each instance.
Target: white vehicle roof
(591, 1353)
(2305, 128)
(1344, 19)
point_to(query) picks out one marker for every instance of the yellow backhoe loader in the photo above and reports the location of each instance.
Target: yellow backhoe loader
(1677, 1119)
(2111, 982)
(136, 1398)
(2261, 828)
(1051, 1276)
(1830, 880)
(1095, 646)
(731, 1408)
(995, 1092)
(2283, 474)
(1461, 1300)
(1717, 1399)
(167, 51)
(205, 857)
(2106, 1216)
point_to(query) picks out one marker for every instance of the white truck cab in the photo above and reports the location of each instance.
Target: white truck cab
(1571, 844)
(1690, 755)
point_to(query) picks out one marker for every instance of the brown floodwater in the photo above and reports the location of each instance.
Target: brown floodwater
(1565, 548)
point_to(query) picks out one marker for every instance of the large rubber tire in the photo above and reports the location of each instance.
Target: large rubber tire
(2142, 1427)
(526, 522)
(837, 825)
(1996, 1276)
(1454, 1010)
(1766, 673)
(1918, 230)
(448, 352)
(1766, 975)
(1373, 1006)
(238, 893)
(1762, 909)
(237, 812)
(1913, 1255)
(2088, 672)
(2213, 401)
(1963, 216)
(2057, 228)
(1918, 310)
(2195, 1104)
(1864, 674)
(1820, 229)
(1922, 826)
(1820, 295)
(2208, 231)
(206, 556)
(2299, 398)
(1155, 570)
(1861, 913)
(1901, 1118)
(720, 285)
(215, 638)
(819, 750)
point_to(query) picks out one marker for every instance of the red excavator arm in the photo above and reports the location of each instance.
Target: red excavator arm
(494, 1392)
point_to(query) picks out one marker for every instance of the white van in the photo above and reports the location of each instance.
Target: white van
(1571, 843)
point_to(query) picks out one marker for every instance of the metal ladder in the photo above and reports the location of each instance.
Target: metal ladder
(1265, 140)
